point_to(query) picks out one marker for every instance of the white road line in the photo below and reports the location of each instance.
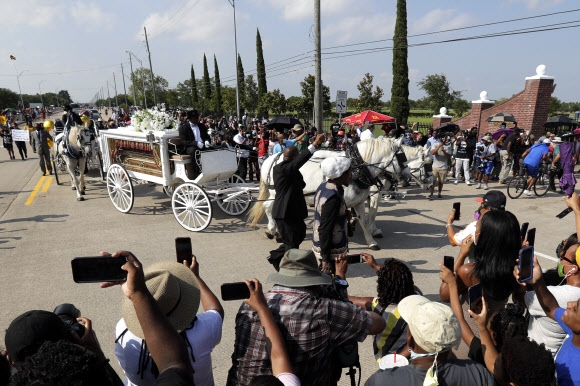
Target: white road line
(546, 256)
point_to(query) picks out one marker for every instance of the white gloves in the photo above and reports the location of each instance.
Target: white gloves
(207, 144)
(200, 145)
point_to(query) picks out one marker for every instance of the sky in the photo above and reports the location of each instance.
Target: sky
(77, 45)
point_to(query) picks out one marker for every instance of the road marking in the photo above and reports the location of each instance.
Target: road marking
(546, 256)
(35, 191)
(46, 184)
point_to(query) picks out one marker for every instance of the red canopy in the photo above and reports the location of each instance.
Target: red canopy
(368, 116)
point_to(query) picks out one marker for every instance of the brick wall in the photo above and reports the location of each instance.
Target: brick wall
(530, 107)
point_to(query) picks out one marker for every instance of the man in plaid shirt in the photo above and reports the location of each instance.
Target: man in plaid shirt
(311, 326)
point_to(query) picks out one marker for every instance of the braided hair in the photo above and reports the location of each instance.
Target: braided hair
(527, 363)
(395, 282)
(508, 322)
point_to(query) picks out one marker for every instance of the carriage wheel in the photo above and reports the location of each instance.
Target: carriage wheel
(120, 188)
(101, 166)
(239, 204)
(168, 190)
(54, 169)
(191, 207)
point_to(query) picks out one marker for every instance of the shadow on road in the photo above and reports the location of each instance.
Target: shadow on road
(39, 218)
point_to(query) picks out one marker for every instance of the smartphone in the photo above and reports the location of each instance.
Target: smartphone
(235, 291)
(524, 230)
(183, 249)
(98, 269)
(448, 261)
(474, 295)
(531, 237)
(457, 208)
(526, 263)
(354, 259)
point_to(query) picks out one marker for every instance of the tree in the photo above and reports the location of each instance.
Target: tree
(206, 87)
(369, 99)
(142, 78)
(460, 106)
(8, 98)
(251, 94)
(261, 74)
(217, 99)
(229, 99)
(295, 104)
(307, 87)
(439, 92)
(241, 83)
(276, 101)
(400, 88)
(194, 92)
(555, 106)
(64, 97)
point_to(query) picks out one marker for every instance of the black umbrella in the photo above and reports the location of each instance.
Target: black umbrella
(448, 128)
(281, 123)
(501, 117)
(560, 120)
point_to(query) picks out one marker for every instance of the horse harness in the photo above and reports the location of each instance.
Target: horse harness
(361, 175)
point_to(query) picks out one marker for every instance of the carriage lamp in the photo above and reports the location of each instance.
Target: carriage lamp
(150, 137)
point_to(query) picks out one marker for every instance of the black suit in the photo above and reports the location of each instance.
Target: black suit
(289, 209)
(189, 142)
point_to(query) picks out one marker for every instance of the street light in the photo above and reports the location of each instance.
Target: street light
(133, 78)
(233, 4)
(19, 90)
(41, 100)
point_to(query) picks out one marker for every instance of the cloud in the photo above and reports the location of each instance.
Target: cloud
(441, 19)
(359, 28)
(81, 12)
(535, 4)
(33, 13)
(304, 9)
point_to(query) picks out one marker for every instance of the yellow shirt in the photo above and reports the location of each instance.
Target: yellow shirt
(2, 120)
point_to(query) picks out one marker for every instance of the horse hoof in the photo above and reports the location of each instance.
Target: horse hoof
(80, 198)
(374, 247)
(73, 188)
(83, 193)
(269, 235)
(378, 235)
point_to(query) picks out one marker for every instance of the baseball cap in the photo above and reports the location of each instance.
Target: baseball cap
(557, 140)
(547, 141)
(30, 330)
(494, 199)
(433, 325)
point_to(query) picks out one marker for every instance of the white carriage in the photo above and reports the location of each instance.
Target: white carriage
(137, 156)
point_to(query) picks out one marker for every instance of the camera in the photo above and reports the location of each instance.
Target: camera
(68, 313)
(480, 148)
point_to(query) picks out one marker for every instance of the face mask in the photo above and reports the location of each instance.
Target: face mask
(326, 144)
(476, 215)
(254, 132)
(414, 355)
(561, 270)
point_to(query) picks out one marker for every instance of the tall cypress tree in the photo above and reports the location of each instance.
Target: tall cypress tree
(400, 88)
(194, 95)
(261, 73)
(241, 83)
(206, 86)
(217, 104)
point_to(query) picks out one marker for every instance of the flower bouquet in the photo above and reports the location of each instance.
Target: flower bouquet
(147, 120)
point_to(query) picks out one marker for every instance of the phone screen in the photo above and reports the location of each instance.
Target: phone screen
(526, 263)
(457, 207)
(448, 262)
(235, 291)
(524, 230)
(183, 249)
(475, 302)
(531, 237)
(354, 259)
(98, 269)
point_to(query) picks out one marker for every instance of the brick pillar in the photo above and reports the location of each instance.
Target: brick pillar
(438, 120)
(478, 114)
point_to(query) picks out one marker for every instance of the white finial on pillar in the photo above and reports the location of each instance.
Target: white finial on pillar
(442, 113)
(540, 73)
(482, 98)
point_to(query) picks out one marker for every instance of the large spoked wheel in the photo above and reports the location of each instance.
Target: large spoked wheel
(516, 187)
(54, 169)
(238, 202)
(100, 160)
(542, 184)
(191, 207)
(120, 188)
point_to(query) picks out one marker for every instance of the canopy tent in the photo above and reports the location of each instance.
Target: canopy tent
(368, 116)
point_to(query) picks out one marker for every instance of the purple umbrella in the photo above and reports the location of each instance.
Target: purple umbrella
(568, 181)
(499, 133)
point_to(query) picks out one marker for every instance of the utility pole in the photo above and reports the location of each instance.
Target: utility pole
(150, 67)
(41, 100)
(318, 69)
(108, 95)
(115, 83)
(233, 4)
(56, 93)
(20, 91)
(132, 79)
(124, 88)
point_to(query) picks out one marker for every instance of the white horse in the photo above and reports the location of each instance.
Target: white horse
(416, 158)
(378, 153)
(79, 144)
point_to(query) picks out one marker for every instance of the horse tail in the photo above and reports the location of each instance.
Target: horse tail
(257, 210)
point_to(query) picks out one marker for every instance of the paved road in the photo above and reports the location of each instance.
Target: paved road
(37, 242)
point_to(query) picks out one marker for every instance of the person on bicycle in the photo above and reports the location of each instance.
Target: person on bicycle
(532, 158)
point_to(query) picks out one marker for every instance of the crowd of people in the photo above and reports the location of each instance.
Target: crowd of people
(306, 328)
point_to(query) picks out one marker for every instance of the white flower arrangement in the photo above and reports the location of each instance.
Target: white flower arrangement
(146, 120)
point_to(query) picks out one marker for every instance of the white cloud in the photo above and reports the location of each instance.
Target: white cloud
(535, 4)
(34, 13)
(304, 9)
(441, 19)
(97, 18)
(359, 28)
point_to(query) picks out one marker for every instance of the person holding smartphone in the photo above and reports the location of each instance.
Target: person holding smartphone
(567, 318)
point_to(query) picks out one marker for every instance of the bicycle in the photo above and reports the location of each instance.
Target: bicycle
(518, 184)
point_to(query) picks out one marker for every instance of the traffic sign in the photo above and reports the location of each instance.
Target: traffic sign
(341, 102)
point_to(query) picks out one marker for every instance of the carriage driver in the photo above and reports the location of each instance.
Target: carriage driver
(193, 135)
